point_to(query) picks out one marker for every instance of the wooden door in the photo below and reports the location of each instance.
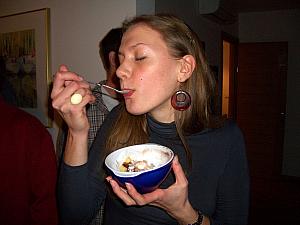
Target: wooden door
(261, 100)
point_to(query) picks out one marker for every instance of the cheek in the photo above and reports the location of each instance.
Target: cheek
(157, 78)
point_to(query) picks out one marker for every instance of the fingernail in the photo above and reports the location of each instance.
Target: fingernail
(112, 183)
(175, 159)
(128, 186)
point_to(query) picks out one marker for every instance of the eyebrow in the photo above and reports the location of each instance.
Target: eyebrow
(133, 46)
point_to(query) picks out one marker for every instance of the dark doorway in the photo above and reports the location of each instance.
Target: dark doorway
(260, 110)
(261, 102)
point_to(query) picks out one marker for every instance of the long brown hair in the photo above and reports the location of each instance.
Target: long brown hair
(180, 40)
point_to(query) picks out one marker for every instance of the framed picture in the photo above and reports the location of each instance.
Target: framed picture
(24, 57)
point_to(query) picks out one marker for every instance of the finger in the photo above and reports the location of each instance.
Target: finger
(84, 96)
(77, 97)
(137, 197)
(64, 94)
(59, 81)
(120, 193)
(178, 171)
(154, 198)
(63, 68)
(63, 101)
(82, 83)
(72, 88)
(143, 199)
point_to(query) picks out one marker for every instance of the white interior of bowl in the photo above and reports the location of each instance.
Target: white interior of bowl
(155, 154)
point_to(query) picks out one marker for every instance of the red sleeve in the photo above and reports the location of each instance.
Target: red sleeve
(43, 174)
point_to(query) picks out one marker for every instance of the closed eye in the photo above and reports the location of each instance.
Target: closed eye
(140, 58)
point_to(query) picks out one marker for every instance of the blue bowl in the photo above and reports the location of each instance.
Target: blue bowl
(160, 157)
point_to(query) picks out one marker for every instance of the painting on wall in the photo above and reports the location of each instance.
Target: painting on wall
(24, 58)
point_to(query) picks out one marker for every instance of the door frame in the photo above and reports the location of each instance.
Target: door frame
(234, 42)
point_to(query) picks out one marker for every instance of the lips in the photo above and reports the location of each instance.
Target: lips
(130, 92)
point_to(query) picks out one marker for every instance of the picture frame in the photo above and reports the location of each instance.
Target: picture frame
(25, 61)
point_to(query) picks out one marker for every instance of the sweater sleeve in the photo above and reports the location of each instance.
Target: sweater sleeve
(233, 188)
(82, 189)
(42, 175)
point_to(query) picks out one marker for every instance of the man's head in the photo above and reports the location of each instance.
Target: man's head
(108, 48)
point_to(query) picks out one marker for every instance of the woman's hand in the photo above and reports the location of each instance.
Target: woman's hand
(180, 209)
(65, 84)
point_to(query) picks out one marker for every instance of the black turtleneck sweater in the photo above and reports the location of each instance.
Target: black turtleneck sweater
(218, 180)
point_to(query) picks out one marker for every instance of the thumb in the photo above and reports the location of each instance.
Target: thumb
(63, 68)
(178, 171)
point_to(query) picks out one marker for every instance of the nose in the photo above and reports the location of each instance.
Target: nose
(123, 71)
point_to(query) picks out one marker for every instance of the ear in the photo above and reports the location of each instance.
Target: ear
(112, 58)
(187, 66)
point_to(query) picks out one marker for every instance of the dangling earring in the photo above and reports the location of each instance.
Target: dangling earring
(181, 100)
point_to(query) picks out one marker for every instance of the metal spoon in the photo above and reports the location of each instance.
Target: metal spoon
(104, 85)
(77, 98)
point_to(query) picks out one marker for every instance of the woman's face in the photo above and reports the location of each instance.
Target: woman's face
(149, 72)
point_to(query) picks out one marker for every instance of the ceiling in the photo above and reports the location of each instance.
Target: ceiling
(228, 10)
(240, 6)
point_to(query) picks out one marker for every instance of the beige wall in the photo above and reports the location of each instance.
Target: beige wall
(76, 28)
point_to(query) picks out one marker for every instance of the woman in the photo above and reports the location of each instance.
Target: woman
(170, 91)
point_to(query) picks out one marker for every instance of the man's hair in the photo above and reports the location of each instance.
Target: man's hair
(110, 42)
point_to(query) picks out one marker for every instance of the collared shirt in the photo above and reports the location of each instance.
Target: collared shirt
(109, 102)
(96, 113)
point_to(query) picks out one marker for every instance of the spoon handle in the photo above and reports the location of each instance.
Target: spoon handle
(104, 85)
(116, 90)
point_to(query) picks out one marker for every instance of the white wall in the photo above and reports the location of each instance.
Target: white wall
(77, 26)
(145, 7)
(279, 26)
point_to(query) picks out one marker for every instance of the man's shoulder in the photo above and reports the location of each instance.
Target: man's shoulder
(97, 88)
(22, 121)
(114, 113)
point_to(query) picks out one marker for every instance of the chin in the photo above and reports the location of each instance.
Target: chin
(135, 110)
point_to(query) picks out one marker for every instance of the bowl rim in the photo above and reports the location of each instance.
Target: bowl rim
(134, 174)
